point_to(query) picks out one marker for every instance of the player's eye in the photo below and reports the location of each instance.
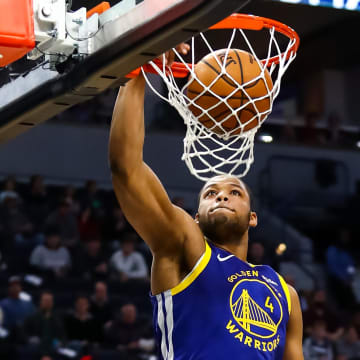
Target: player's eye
(235, 192)
(210, 193)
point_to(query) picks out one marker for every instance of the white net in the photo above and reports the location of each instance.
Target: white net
(221, 127)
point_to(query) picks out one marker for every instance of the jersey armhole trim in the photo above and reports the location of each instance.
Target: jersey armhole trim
(195, 272)
(286, 291)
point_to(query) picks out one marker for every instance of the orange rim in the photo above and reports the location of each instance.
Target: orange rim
(234, 21)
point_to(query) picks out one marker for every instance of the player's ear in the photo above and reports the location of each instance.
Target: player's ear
(253, 219)
(197, 218)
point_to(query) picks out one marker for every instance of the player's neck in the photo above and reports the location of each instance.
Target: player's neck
(238, 248)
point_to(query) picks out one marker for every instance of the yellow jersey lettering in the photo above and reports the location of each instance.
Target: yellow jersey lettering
(248, 341)
(240, 336)
(232, 278)
(251, 342)
(248, 273)
(264, 345)
(269, 305)
(231, 327)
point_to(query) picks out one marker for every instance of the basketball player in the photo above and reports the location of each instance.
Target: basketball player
(209, 303)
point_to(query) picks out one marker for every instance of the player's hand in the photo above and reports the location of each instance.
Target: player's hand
(169, 56)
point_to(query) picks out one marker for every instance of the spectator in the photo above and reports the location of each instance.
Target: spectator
(319, 310)
(128, 332)
(66, 221)
(80, 325)
(16, 225)
(349, 345)
(116, 225)
(100, 307)
(15, 307)
(69, 196)
(257, 255)
(37, 201)
(93, 264)
(51, 257)
(89, 224)
(128, 263)
(92, 199)
(44, 329)
(9, 189)
(318, 346)
(341, 269)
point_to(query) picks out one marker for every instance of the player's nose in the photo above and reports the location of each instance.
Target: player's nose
(221, 197)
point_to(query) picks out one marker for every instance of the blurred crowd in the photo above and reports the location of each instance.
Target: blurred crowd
(74, 280)
(74, 275)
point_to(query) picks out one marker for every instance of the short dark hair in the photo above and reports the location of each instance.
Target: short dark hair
(46, 292)
(130, 237)
(248, 190)
(81, 296)
(52, 230)
(14, 279)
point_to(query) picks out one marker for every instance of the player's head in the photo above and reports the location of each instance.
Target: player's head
(225, 208)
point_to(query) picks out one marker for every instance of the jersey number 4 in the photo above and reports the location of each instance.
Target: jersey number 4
(269, 305)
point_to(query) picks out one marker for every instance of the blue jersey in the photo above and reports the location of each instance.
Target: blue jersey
(225, 308)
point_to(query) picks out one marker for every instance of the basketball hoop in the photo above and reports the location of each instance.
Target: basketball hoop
(207, 153)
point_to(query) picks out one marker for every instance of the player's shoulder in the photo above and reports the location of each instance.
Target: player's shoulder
(293, 293)
(264, 268)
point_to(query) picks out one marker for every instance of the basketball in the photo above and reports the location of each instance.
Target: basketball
(241, 68)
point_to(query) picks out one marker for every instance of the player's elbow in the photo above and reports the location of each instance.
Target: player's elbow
(118, 168)
(122, 169)
(123, 160)
(114, 166)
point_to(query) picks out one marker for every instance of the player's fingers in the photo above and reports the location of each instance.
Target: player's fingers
(170, 58)
(183, 48)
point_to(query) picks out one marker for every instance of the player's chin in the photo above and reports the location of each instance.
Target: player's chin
(221, 217)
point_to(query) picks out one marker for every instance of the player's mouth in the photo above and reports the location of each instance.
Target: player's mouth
(221, 207)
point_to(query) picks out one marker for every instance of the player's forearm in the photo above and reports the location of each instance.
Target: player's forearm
(127, 128)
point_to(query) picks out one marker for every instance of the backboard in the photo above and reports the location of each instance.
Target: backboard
(130, 35)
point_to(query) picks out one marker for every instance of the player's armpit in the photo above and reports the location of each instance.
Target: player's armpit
(294, 331)
(146, 205)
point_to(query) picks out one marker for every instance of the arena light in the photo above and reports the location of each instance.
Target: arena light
(336, 4)
(281, 248)
(265, 138)
(358, 144)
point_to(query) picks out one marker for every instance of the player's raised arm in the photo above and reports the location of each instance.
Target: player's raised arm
(141, 195)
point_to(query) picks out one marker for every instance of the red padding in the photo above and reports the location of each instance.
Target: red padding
(17, 36)
(100, 8)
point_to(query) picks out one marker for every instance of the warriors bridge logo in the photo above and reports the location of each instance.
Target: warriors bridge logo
(256, 308)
